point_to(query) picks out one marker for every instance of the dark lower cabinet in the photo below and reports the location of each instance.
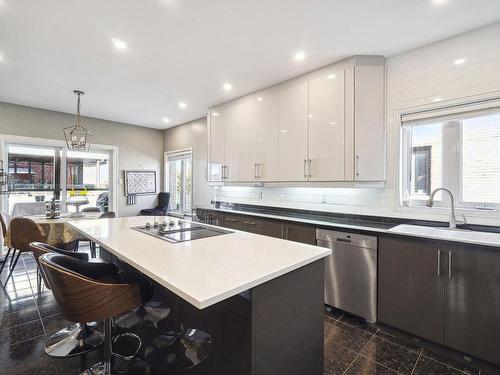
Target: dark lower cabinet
(472, 301)
(443, 291)
(410, 286)
(299, 233)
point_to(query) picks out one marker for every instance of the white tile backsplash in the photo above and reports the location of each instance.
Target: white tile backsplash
(413, 78)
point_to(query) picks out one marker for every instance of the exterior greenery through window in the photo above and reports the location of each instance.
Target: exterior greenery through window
(458, 149)
(179, 181)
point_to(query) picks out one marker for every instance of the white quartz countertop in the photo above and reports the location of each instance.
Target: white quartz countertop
(204, 271)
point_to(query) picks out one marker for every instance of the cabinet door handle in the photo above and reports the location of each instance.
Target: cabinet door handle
(449, 264)
(286, 233)
(229, 219)
(310, 174)
(305, 166)
(357, 165)
(250, 222)
(439, 262)
(258, 170)
(283, 231)
(255, 170)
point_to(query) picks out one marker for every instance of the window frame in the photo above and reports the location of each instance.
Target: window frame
(447, 112)
(182, 154)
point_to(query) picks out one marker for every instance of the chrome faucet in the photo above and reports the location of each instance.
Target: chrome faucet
(453, 218)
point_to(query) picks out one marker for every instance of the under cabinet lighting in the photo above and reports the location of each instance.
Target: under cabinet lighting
(437, 99)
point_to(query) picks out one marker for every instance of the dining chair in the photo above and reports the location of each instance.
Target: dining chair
(5, 222)
(23, 231)
(108, 215)
(90, 209)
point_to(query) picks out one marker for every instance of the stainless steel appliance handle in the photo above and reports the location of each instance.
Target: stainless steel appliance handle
(439, 261)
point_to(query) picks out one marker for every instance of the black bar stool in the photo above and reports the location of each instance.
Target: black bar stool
(83, 297)
(79, 338)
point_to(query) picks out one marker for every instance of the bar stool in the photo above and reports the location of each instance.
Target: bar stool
(79, 338)
(82, 297)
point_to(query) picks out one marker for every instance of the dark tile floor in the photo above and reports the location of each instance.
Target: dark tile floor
(28, 316)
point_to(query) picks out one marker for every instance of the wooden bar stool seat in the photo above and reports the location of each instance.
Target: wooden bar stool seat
(78, 338)
(83, 298)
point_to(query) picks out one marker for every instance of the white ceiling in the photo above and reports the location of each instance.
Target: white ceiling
(184, 50)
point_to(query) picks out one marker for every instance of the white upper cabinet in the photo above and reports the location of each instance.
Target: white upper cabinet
(259, 139)
(266, 126)
(216, 133)
(232, 137)
(326, 127)
(292, 136)
(365, 129)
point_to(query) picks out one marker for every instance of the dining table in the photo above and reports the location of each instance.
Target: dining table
(57, 231)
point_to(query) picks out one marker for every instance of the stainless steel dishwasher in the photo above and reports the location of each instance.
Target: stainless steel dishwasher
(350, 272)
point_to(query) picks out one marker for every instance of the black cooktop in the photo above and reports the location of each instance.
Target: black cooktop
(179, 230)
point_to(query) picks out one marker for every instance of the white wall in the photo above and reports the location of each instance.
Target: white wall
(139, 148)
(414, 78)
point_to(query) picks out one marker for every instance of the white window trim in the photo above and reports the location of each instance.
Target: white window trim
(446, 107)
(33, 141)
(166, 172)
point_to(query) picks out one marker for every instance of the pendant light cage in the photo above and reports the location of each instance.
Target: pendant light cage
(77, 137)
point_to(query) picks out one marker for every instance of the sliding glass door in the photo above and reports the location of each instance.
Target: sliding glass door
(38, 173)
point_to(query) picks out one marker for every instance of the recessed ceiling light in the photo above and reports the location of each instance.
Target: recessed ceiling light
(333, 123)
(1, 57)
(310, 115)
(215, 113)
(439, 2)
(182, 105)
(299, 56)
(459, 61)
(437, 99)
(227, 86)
(166, 120)
(259, 99)
(119, 44)
(331, 76)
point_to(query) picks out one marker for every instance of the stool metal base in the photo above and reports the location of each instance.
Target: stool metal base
(72, 341)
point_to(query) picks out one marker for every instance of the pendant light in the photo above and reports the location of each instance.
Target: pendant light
(77, 137)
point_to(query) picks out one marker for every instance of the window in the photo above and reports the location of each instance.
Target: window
(179, 181)
(40, 173)
(458, 149)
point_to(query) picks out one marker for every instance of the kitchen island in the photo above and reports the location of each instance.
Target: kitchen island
(260, 298)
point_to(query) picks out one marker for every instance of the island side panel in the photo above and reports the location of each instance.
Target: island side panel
(287, 323)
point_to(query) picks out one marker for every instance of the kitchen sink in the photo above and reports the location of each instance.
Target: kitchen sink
(444, 233)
